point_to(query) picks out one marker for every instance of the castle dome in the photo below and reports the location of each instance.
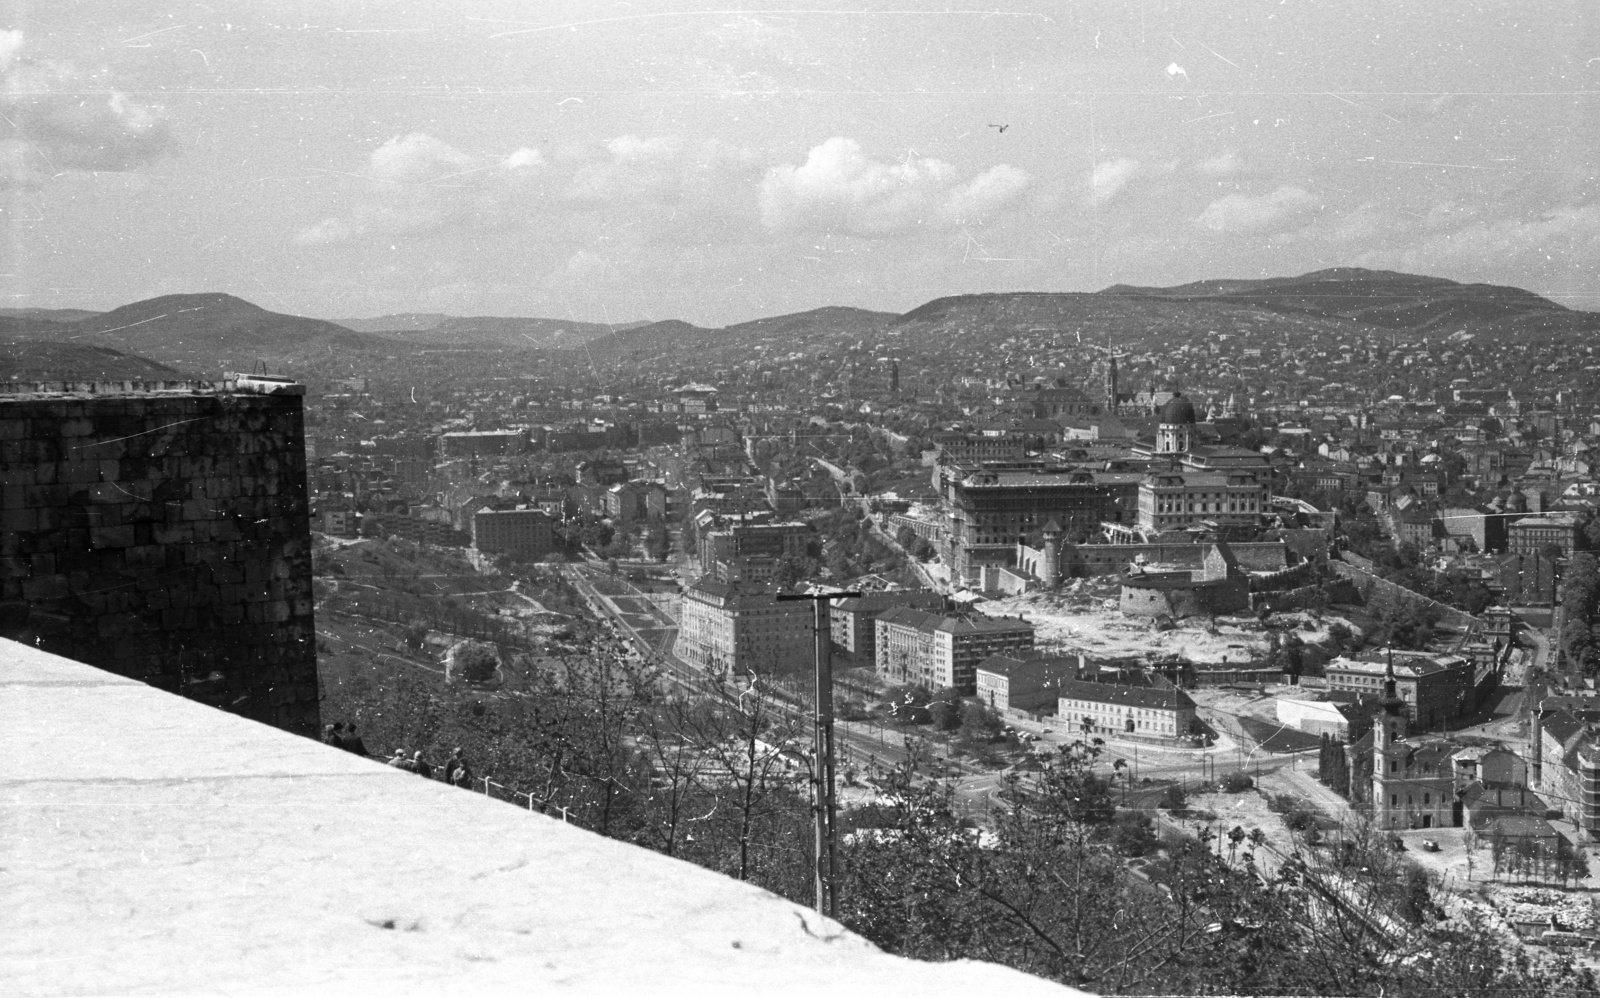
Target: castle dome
(1177, 410)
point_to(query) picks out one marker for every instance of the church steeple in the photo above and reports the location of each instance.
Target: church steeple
(1388, 730)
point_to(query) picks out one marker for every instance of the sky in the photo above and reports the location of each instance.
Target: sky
(716, 163)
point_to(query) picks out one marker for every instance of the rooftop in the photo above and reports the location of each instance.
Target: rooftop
(154, 845)
(1127, 696)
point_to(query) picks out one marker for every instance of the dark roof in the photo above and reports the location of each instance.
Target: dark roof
(1581, 707)
(1563, 726)
(1177, 410)
(875, 603)
(1044, 667)
(1127, 696)
(955, 623)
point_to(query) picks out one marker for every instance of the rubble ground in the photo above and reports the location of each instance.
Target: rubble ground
(1084, 617)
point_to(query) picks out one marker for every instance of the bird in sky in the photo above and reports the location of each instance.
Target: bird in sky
(1002, 128)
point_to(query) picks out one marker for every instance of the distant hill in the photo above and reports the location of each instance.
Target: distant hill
(399, 322)
(510, 332)
(48, 314)
(829, 329)
(837, 319)
(211, 333)
(1389, 300)
(44, 360)
(655, 338)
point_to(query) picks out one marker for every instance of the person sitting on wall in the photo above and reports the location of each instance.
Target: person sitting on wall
(351, 742)
(333, 734)
(420, 766)
(399, 761)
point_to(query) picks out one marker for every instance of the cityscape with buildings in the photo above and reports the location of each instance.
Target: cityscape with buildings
(809, 494)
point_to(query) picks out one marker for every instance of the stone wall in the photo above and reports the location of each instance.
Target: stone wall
(1180, 598)
(1109, 559)
(1380, 594)
(161, 532)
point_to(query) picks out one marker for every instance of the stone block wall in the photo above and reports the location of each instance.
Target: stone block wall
(1079, 560)
(1181, 598)
(1380, 595)
(163, 535)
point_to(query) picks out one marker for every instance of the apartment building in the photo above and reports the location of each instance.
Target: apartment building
(939, 650)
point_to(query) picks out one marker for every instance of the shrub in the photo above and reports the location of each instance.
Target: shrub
(1174, 800)
(1283, 803)
(1236, 783)
(472, 661)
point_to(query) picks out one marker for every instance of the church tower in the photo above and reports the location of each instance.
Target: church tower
(1111, 385)
(1388, 743)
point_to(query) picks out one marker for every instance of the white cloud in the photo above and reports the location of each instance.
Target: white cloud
(1225, 164)
(583, 272)
(59, 120)
(984, 195)
(523, 159)
(840, 189)
(416, 158)
(1560, 240)
(420, 184)
(1246, 213)
(10, 45)
(329, 230)
(1110, 177)
(642, 189)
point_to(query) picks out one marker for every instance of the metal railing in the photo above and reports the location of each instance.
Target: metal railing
(511, 796)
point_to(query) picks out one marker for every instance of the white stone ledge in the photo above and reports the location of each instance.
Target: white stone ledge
(153, 845)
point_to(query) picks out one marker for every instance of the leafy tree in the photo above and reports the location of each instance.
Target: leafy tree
(945, 707)
(657, 544)
(979, 722)
(473, 661)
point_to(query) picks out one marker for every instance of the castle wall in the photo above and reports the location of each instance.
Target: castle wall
(163, 535)
(1178, 598)
(1381, 594)
(1110, 559)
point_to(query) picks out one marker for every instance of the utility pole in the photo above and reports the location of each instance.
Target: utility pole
(822, 752)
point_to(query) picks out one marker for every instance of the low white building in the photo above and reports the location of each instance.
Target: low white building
(1104, 708)
(1314, 717)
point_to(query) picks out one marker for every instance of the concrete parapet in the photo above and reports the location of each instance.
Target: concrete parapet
(155, 845)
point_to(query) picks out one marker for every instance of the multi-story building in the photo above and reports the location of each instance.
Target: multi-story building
(1031, 685)
(853, 620)
(938, 650)
(339, 521)
(1434, 688)
(990, 510)
(631, 503)
(1535, 534)
(481, 443)
(743, 628)
(1175, 500)
(757, 546)
(1565, 747)
(1107, 708)
(965, 448)
(524, 532)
